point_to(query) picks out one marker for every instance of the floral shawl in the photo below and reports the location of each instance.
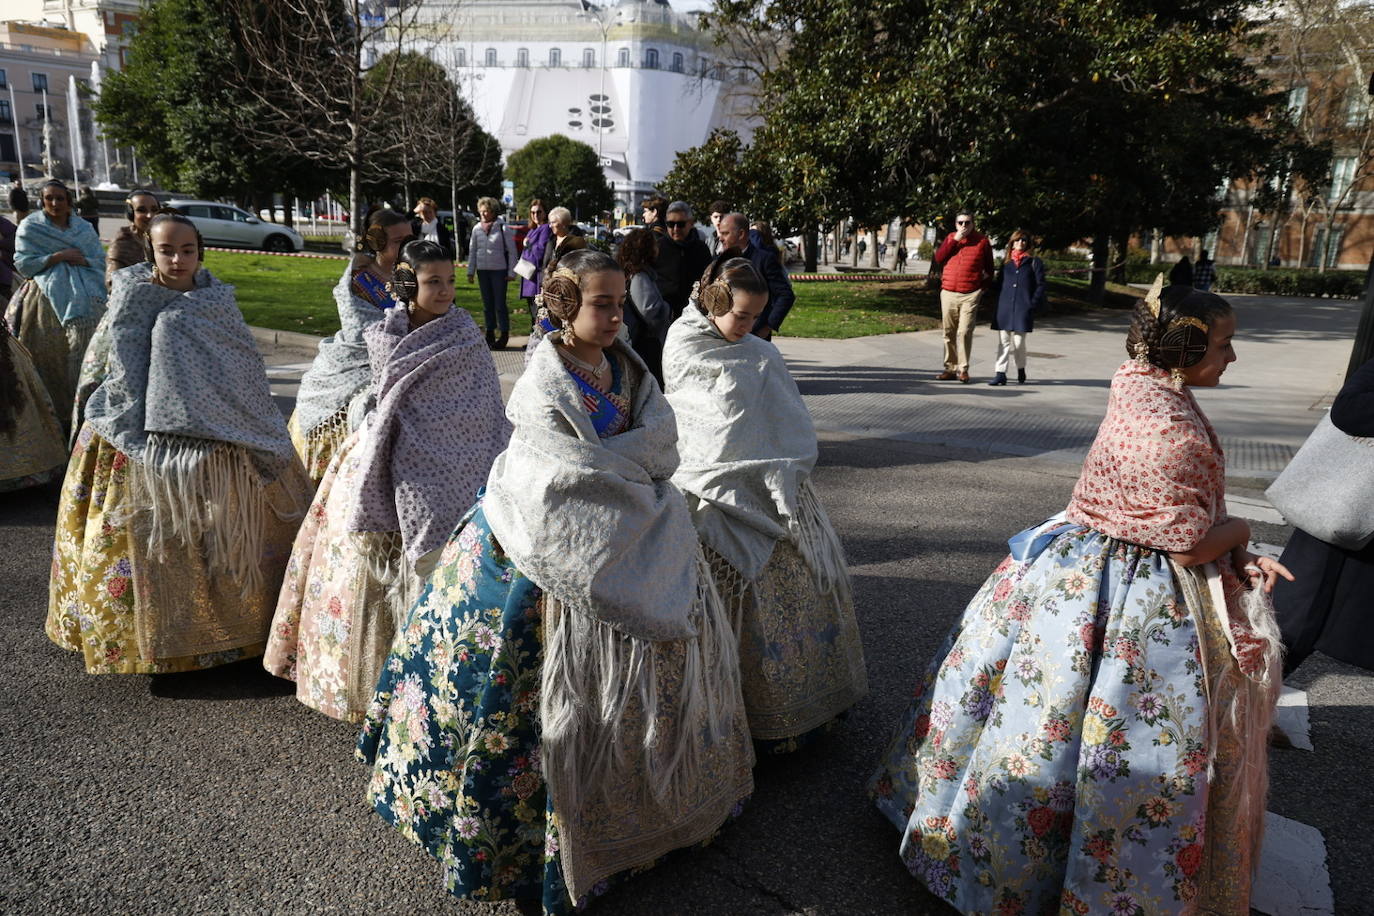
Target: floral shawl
(1155, 475)
(341, 368)
(74, 291)
(437, 427)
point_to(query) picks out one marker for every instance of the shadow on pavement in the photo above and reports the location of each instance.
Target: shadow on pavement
(245, 680)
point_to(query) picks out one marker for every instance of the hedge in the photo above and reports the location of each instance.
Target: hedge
(1276, 281)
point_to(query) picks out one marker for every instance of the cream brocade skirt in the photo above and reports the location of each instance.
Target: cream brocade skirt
(128, 611)
(57, 349)
(36, 451)
(801, 657)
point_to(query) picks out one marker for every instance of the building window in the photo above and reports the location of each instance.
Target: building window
(462, 58)
(677, 62)
(42, 112)
(623, 58)
(491, 57)
(1356, 107)
(706, 68)
(40, 82)
(555, 57)
(651, 58)
(1297, 100)
(522, 57)
(1342, 174)
(4, 80)
(588, 58)
(1326, 247)
(9, 151)
(6, 115)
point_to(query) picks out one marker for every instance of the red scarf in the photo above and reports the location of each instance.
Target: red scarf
(1018, 255)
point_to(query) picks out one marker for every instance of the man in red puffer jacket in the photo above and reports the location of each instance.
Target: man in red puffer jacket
(965, 258)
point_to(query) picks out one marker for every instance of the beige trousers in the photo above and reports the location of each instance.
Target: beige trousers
(1010, 345)
(957, 314)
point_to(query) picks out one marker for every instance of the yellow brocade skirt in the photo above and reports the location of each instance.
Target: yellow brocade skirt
(318, 447)
(35, 452)
(56, 349)
(128, 610)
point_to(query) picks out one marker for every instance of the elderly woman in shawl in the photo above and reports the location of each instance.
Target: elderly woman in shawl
(332, 399)
(393, 493)
(183, 493)
(1093, 735)
(56, 312)
(748, 447)
(563, 704)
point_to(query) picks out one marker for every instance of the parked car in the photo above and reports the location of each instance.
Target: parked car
(623, 231)
(227, 226)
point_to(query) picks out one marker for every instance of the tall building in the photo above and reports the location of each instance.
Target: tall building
(105, 23)
(637, 81)
(36, 63)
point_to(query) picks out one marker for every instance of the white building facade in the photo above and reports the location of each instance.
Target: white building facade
(636, 81)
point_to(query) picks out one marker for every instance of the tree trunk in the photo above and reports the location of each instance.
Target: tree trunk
(288, 210)
(1123, 246)
(1156, 246)
(811, 248)
(1097, 288)
(874, 244)
(854, 248)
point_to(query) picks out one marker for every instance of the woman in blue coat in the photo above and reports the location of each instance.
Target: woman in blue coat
(1022, 292)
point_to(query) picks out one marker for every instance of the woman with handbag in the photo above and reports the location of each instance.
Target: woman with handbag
(1326, 608)
(530, 266)
(491, 258)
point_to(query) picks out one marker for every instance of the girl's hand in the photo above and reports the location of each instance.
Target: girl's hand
(1257, 570)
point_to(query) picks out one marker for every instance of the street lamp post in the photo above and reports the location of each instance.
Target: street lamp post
(604, 18)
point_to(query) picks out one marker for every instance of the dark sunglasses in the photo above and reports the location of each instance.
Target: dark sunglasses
(676, 223)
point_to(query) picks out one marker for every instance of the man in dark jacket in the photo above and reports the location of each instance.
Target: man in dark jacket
(19, 200)
(682, 256)
(734, 233)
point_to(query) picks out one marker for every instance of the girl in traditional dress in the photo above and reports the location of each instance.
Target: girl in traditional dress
(393, 493)
(1092, 737)
(332, 399)
(32, 449)
(563, 703)
(748, 447)
(183, 493)
(55, 313)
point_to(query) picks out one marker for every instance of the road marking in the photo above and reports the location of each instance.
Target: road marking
(1291, 717)
(1292, 878)
(1255, 509)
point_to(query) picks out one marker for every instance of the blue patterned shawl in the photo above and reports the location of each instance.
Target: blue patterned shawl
(74, 291)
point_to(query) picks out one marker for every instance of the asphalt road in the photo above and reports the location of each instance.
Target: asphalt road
(216, 792)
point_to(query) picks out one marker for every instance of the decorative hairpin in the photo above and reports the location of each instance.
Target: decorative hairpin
(1152, 297)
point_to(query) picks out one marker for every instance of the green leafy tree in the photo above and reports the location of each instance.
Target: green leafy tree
(561, 172)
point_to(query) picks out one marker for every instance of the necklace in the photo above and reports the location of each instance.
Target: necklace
(596, 371)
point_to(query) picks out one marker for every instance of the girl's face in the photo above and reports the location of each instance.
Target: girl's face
(144, 207)
(1019, 245)
(603, 308)
(396, 237)
(176, 254)
(745, 309)
(1220, 354)
(436, 281)
(56, 203)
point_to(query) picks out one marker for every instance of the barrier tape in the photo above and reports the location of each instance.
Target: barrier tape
(283, 254)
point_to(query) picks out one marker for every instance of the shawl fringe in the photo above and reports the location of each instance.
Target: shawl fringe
(325, 439)
(597, 679)
(211, 495)
(820, 547)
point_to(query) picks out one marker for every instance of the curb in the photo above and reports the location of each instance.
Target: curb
(283, 254)
(293, 340)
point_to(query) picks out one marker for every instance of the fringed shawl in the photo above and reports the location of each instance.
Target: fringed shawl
(74, 291)
(341, 367)
(1155, 475)
(437, 427)
(186, 399)
(598, 525)
(748, 447)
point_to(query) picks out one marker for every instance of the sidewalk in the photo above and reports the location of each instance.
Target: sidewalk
(1291, 359)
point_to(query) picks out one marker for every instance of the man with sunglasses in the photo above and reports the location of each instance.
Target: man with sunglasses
(966, 269)
(682, 256)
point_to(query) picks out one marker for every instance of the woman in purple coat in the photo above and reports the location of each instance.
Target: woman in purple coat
(535, 243)
(1021, 292)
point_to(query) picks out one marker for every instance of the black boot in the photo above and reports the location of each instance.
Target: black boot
(491, 339)
(503, 340)
(1020, 377)
(999, 379)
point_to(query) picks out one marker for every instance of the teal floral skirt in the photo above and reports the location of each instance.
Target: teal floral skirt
(1055, 757)
(452, 733)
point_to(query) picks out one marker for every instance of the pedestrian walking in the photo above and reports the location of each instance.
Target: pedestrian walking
(183, 492)
(1093, 736)
(333, 395)
(734, 231)
(966, 269)
(901, 259)
(1325, 495)
(530, 268)
(88, 206)
(55, 313)
(563, 238)
(491, 259)
(654, 211)
(1204, 272)
(130, 245)
(747, 447)
(18, 200)
(647, 313)
(1182, 273)
(393, 492)
(605, 700)
(1020, 294)
(428, 226)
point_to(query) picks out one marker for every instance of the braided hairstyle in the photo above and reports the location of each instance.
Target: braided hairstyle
(727, 272)
(1172, 339)
(374, 238)
(561, 296)
(405, 280)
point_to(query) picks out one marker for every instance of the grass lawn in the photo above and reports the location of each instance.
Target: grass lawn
(295, 294)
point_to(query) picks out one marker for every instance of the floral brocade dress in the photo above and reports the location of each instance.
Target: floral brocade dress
(453, 733)
(1058, 756)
